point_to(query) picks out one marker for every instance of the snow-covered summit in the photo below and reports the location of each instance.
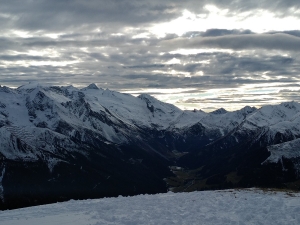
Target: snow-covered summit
(156, 104)
(274, 115)
(219, 111)
(92, 86)
(32, 85)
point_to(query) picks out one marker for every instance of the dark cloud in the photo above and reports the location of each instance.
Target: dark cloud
(64, 15)
(222, 32)
(290, 32)
(279, 41)
(147, 66)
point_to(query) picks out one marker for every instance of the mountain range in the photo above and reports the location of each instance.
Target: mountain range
(61, 142)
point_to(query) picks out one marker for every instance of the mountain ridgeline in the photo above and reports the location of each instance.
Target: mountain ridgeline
(60, 143)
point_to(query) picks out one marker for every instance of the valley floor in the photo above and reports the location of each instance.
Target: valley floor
(250, 206)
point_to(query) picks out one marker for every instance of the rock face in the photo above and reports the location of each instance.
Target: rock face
(58, 143)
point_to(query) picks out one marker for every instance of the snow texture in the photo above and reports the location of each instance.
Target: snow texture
(242, 207)
(287, 150)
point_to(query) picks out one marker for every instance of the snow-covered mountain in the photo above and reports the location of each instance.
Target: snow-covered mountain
(91, 142)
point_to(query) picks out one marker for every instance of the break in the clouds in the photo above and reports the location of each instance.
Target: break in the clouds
(207, 54)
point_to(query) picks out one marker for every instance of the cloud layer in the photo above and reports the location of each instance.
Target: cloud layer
(278, 41)
(206, 54)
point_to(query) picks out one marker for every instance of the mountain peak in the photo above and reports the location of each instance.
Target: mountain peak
(92, 86)
(32, 85)
(145, 96)
(220, 111)
(248, 109)
(148, 98)
(290, 105)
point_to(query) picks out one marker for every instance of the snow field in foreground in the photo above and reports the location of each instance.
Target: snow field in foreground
(250, 206)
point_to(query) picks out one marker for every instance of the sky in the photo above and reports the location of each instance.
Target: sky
(194, 54)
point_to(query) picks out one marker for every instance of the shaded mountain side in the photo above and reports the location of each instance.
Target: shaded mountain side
(238, 165)
(127, 170)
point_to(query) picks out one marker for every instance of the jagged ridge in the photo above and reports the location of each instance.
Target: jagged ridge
(52, 128)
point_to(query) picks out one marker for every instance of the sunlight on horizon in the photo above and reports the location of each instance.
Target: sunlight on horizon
(216, 18)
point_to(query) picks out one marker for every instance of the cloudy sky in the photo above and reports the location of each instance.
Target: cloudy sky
(194, 54)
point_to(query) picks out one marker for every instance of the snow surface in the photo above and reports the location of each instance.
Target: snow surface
(270, 115)
(247, 207)
(287, 150)
(142, 111)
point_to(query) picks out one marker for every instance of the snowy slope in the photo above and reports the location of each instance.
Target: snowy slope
(141, 111)
(210, 207)
(284, 115)
(226, 121)
(288, 150)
